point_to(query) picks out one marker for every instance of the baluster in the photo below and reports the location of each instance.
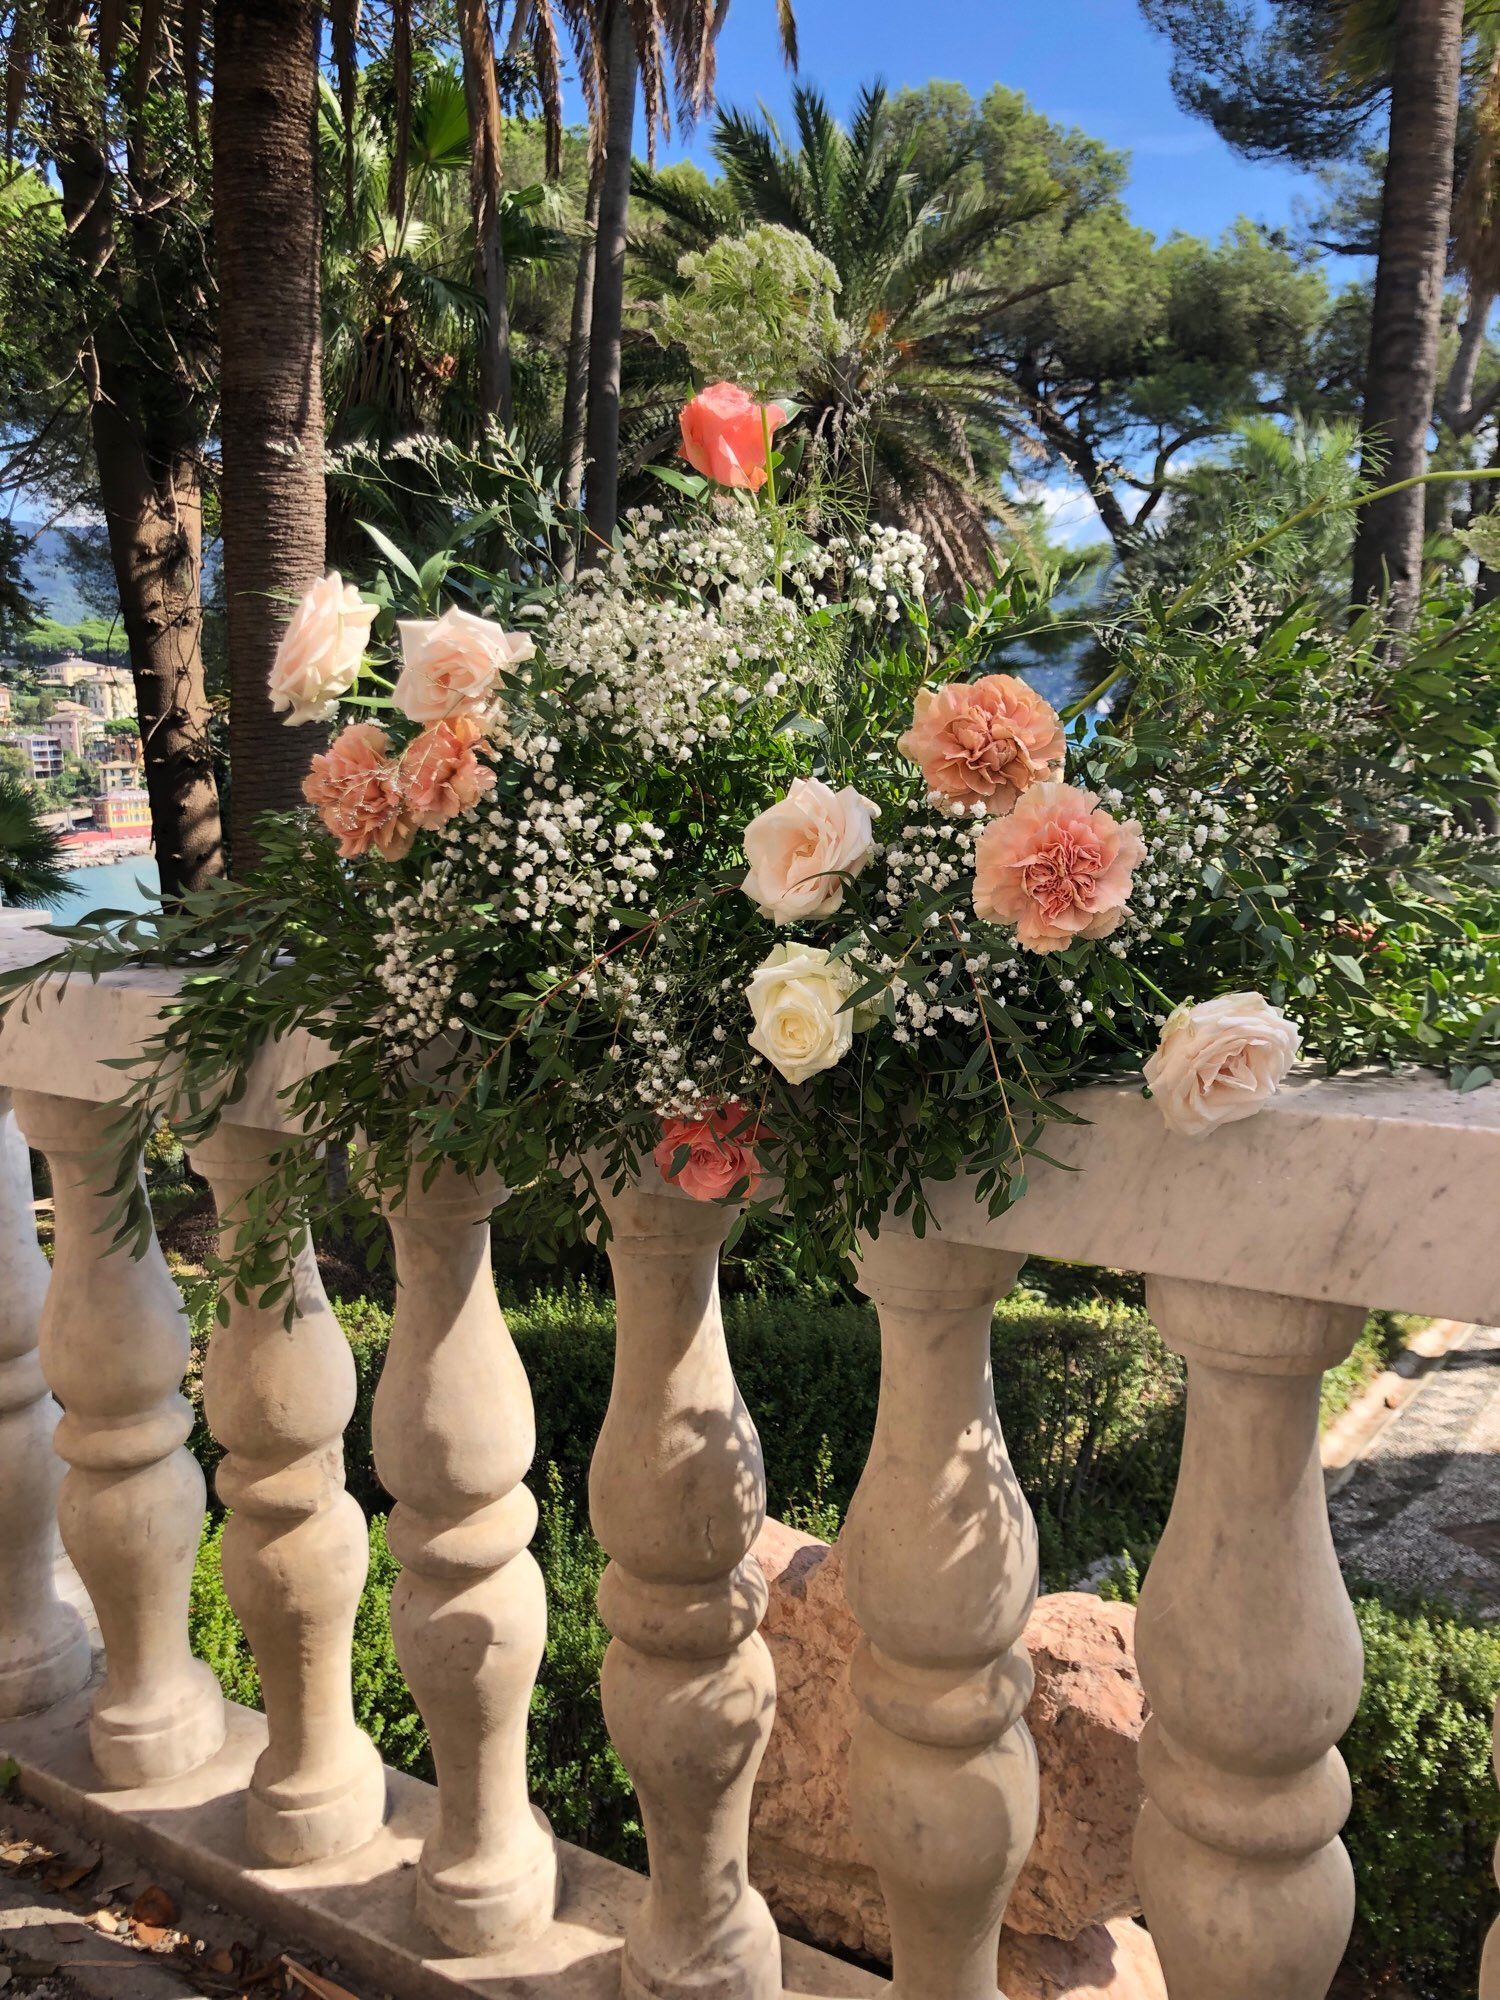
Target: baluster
(677, 1492)
(277, 1398)
(44, 1648)
(1251, 1657)
(940, 1558)
(114, 1348)
(454, 1435)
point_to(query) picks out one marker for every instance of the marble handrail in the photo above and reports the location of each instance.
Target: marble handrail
(1367, 1189)
(1262, 1246)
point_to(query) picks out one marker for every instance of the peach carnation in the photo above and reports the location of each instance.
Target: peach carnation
(318, 658)
(724, 435)
(441, 775)
(985, 741)
(356, 788)
(721, 1155)
(1058, 867)
(452, 665)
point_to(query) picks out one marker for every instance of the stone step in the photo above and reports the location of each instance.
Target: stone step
(356, 1909)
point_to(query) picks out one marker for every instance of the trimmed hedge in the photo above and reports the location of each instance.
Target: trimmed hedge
(1426, 1810)
(1090, 1399)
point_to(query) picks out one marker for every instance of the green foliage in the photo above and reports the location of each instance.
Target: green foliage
(31, 856)
(575, 1774)
(1426, 1812)
(759, 310)
(1090, 1401)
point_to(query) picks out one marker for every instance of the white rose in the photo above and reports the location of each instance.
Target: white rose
(802, 1023)
(1220, 1061)
(318, 659)
(450, 665)
(800, 850)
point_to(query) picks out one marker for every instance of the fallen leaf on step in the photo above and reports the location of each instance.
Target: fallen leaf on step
(315, 1985)
(154, 1906)
(68, 1874)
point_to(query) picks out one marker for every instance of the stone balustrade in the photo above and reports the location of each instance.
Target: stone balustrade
(1263, 1246)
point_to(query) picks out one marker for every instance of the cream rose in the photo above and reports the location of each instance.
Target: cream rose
(1220, 1061)
(318, 659)
(801, 848)
(452, 665)
(799, 997)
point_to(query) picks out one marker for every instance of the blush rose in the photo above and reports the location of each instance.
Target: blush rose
(721, 1153)
(356, 786)
(724, 432)
(317, 661)
(985, 742)
(801, 848)
(452, 665)
(1058, 867)
(1220, 1061)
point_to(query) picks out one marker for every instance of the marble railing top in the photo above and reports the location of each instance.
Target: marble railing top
(1365, 1189)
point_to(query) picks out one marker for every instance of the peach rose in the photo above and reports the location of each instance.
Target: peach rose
(985, 741)
(356, 788)
(451, 665)
(721, 1155)
(724, 435)
(1220, 1061)
(800, 849)
(1058, 867)
(320, 651)
(441, 776)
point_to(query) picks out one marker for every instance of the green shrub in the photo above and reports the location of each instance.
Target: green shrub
(1426, 1811)
(574, 1774)
(1090, 1400)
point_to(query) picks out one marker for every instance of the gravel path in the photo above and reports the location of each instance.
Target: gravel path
(1422, 1510)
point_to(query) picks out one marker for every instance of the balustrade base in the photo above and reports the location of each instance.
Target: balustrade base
(357, 1908)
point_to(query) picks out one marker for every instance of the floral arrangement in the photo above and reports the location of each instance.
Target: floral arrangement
(736, 855)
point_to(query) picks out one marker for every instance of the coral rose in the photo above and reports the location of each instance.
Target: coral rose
(801, 848)
(724, 434)
(356, 788)
(1220, 1061)
(1058, 868)
(441, 776)
(318, 659)
(721, 1153)
(985, 741)
(451, 665)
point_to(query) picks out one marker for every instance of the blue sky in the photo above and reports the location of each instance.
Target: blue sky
(1091, 63)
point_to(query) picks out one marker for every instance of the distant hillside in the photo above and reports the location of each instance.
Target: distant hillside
(49, 575)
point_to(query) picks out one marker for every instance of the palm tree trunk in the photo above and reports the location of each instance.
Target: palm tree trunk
(477, 44)
(148, 456)
(576, 390)
(1401, 383)
(266, 223)
(609, 279)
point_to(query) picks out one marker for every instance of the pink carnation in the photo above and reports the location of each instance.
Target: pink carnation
(356, 787)
(722, 1152)
(1058, 868)
(441, 776)
(724, 436)
(985, 741)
